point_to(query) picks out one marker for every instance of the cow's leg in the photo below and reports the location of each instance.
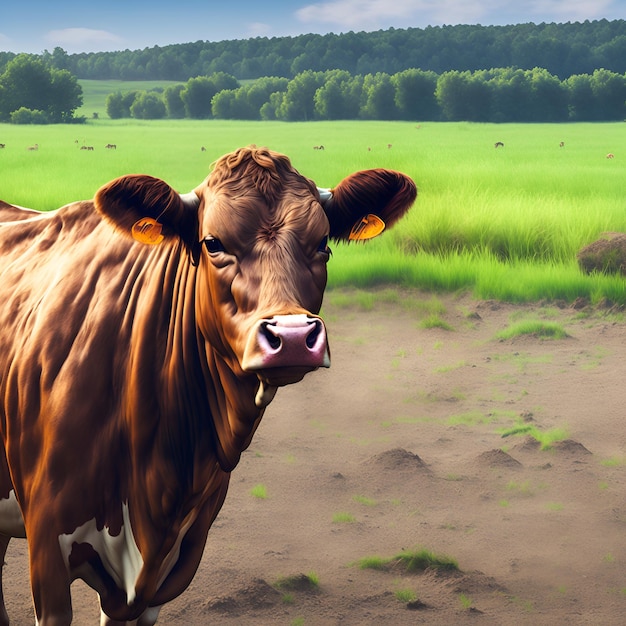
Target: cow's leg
(147, 618)
(4, 544)
(49, 578)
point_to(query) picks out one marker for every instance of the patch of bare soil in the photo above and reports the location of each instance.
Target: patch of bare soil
(400, 446)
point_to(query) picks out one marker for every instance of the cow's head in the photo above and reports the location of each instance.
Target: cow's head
(258, 233)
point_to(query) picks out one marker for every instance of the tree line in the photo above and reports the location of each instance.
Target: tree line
(562, 49)
(496, 95)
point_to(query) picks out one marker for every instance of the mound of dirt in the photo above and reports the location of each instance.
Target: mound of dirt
(255, 595)
(397, 459)
(497, 458)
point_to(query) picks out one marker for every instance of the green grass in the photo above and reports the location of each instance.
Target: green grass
(405, 595)
(410, 561)
(503, 224)
(545, 438)
(298, 582)
(364, 500)
(537, 328)
(259, 491)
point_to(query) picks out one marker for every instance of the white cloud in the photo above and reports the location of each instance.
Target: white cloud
(372, 14)
(83, 39)
(258, 29)
(378, 13)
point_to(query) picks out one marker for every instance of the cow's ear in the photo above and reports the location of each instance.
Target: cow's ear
(148, 209)
(363, 204)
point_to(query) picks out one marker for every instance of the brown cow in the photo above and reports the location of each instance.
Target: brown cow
(134, 373)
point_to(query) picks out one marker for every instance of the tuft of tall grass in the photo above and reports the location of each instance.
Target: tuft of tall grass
(418, 560)
(538, 328)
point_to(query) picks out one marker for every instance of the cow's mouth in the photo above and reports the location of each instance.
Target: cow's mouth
(282, 349)
(271, 379)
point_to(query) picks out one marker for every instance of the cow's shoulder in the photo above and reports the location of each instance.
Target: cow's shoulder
(12, 213)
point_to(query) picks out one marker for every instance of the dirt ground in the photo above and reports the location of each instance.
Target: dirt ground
(399, 446)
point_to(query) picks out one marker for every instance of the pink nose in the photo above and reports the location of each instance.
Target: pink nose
(287, 341)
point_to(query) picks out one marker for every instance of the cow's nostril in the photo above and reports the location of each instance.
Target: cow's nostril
(272, 339)
(311, 339)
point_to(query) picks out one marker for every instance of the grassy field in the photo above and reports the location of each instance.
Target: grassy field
(504, 223)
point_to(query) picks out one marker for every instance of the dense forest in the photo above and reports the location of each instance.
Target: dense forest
(562, 49)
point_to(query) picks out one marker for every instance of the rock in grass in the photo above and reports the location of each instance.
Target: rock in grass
(606, 255)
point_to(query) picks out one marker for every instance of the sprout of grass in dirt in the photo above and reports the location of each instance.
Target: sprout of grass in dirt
(411, 561)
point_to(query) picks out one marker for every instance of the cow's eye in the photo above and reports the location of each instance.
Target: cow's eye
(323, 247)
(214, 245)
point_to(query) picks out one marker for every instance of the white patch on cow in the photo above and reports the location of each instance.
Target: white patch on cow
(149, 616)
(119, 553)
(11, 520)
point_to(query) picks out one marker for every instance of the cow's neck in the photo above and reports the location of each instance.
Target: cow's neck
(198, 426)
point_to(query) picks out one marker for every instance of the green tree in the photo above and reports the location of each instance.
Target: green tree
(582, 102)
(415, 94)
(510, 93)
(339, 97)
(378, 96)
(173, 102)
(148, 105)
(27, 82)
(609, 90)
(66, 95)
(198, 93)
(197, 96)
(28, 116)
(118, 104)
(549, 97)
(450, 93)
(298, 102)
(464, 96)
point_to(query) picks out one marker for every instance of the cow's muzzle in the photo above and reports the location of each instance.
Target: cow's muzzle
(285, 347)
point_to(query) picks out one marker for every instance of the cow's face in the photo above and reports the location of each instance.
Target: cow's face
(264, 239)
(257, 232)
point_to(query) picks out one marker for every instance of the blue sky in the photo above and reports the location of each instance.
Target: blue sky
(84, 26)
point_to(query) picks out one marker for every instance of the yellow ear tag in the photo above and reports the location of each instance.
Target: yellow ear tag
(369, 227)
(147, 230)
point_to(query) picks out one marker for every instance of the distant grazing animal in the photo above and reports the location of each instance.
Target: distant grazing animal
(389, 145)
(562, 144)
(86, 147)
(610, 155)
(111, 146)
(498, 144)
(318, 147)
(142, 336)
(33, 147)
(2, 145)
(203, 149)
